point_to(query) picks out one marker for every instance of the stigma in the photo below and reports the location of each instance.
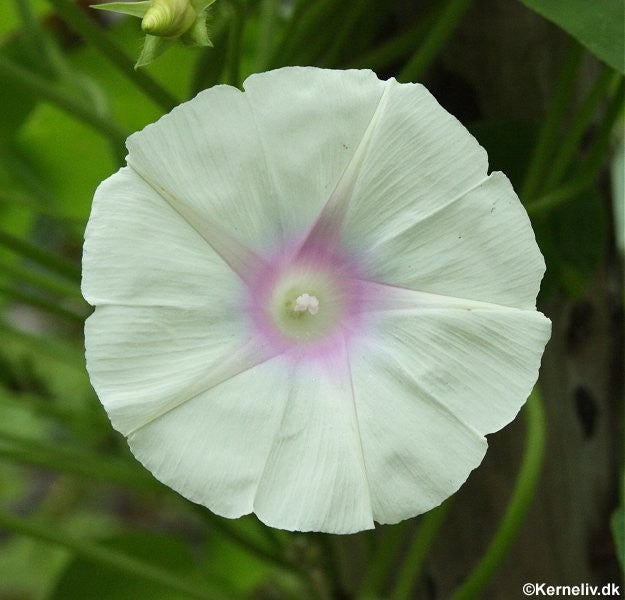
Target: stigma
(306, 302)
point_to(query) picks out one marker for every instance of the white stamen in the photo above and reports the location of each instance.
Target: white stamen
(306, 302)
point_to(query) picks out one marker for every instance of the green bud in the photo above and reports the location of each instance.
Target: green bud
(165, 21)
(168, 18)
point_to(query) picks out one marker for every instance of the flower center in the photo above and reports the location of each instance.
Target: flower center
(306, 302)
(296, 299)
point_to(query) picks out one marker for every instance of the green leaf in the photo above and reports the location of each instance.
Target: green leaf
(16, 102)
(134, 9)
(42, 378)
(569, 262)
(76, 166)
(153, 47)
(197, 35)
(201, 5)
(510, 158)
(596, 24)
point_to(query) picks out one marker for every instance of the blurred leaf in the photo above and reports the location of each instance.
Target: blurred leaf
(240, 572)
(81, 159)
(9, 19)
(597, 24)
(127, 102)
(29, 569)
(573, 239)
(509, 145)
(15, 102)
(83, 578)
(134, 9)
(79, 162)
(53, 371)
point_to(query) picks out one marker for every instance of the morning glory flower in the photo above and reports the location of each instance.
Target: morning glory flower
(312, 301)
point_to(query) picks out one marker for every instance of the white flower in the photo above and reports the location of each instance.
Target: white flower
(312, 302)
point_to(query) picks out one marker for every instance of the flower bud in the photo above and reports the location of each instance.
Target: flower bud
(168, 18)
(164, 22)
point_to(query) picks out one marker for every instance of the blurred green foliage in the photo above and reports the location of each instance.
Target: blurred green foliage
(598, 25)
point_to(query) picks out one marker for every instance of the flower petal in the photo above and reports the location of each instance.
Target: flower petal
(212, 449)
(139, 251)
(207, 158)
(233, 430)
(417, 453)
(428, 387)
(420, 158)
(145, 361)
(315, 479)
(311, 122)
(480, 363)
(480, 247)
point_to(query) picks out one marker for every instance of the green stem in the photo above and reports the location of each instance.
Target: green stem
(351, 559)
(235, 40)
(382, 561)
(41, 303)
(552, 124)
(592, 166)
(210, 64)
(49, 57)
(43, 257)
(570, 143)
(291, 27)
(38, 43)
(443, 27)
(76, 462)
(305, 31)
(329, 564)
(43, 282)
(547, 202)
(243, 541)
(413, 563)
(48, 407)
(273, 538)
(83, 464)
(104, 556)
(45, 90)
(268, 17)
(47, 346)
(519, 504)
(28, 202)
(340, 41)
(23, 174)
(393, 50)
(93, 34)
